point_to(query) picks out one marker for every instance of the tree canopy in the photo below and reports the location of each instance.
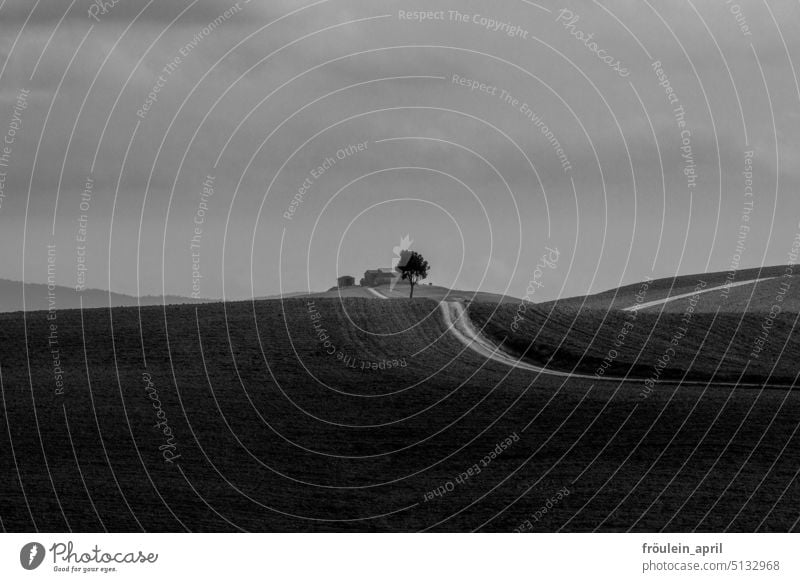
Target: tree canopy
(413, 267)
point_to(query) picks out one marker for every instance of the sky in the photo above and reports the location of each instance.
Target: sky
(244, 149)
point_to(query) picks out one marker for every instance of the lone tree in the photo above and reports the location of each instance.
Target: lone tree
(413, 268)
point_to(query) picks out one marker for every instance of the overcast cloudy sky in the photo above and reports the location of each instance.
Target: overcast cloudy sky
(252, 97)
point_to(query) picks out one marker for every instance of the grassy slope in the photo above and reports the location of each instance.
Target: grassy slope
(625, 296)
(266, 446)
(718, 346)
(755, 298)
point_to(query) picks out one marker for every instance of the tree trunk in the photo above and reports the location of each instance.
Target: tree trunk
(412, 291)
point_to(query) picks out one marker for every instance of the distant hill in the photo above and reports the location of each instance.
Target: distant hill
(421, 291)
(751, 291)
(288, 295)
(36, 298)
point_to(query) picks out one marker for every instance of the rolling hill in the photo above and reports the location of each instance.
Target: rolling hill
(738, 329)
(751, 290)
(357, 414)
(698, 346)
(18, 296)
(421, 291)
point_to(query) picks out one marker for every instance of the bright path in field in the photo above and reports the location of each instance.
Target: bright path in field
(376, 293)
(461, 326)
(658, 302)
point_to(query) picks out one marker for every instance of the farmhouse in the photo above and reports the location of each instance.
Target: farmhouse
(375, 277)
(345, 281)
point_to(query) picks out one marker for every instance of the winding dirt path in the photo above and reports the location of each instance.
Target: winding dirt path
(376, 293)
(460, 325)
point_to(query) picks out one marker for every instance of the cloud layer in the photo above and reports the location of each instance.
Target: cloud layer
(467, 130)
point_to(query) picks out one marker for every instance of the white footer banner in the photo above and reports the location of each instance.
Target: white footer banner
(401, 557)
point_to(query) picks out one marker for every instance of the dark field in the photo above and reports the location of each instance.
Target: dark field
(724, 346)
(272, 432)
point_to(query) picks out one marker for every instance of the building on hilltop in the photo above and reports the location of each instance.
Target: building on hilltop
(375, 277)
(345, 281)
